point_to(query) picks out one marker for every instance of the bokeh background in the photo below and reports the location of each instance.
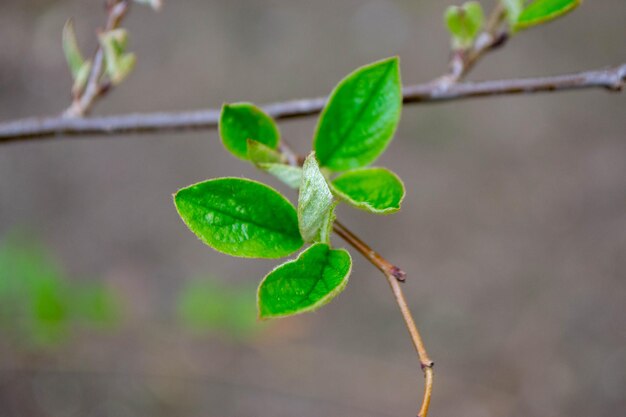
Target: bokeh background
(513, 230)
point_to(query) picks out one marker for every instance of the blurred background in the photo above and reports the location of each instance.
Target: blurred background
(513, 231)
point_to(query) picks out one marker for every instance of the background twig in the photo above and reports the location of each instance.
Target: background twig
(611, 79)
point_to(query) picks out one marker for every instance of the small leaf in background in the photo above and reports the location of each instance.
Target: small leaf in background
(95, 304)
(155, 4)
(242, 121)
(464, 23)
(543, 11)
(258, 153)
(513, 10)
(79, 68)
(317, 276)
(240, 217)
(81, 79)
(361, 117)
(206, 306)
(119, 64)
(74, 58)
(315, 203)
(289, 175)
(376, 190)
(39, 306)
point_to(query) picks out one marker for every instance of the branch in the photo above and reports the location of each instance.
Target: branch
(394, 276)
(611, 79)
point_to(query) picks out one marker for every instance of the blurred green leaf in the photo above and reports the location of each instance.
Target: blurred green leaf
(361, 117)
(95, 304)
(315, 203)
(240, 217)
(464, 23)
(38, 304)
(74, 58)
(305, 284)
(242, 121)
(513, 9)
(206, 306)
(81, 79)
(543, 11)
(376, 190)
(119, 64)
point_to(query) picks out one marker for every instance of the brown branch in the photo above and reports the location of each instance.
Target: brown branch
(611, 79)
(394, 275)
(95, 88)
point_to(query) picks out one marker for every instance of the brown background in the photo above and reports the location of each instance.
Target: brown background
(513, 230)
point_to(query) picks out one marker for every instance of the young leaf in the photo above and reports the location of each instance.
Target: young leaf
(74, 58)
(513, 9)
(464, 23)
(119, 64)
(376, 190)
(258, 153)
(305, 284)
(315, 203)
(361, 117)
(80, 81)
(543, 11)
(240, 217)
(242, 121)
(286, 173)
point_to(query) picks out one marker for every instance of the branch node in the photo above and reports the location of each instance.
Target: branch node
(398, 273)
(499, 41)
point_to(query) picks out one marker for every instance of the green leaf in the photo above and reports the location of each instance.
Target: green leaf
(80, 81)
(376, 190)
(258, 153)
(240, 217)
(242, 121)
(207, 306)
(305, 284)
(38, 303)
(361, 117)
(543, 11)
(119, 64)
(513, 9)
(315, 203)
(464, 23)
(74, 58)
(288, 174)
(95, 304)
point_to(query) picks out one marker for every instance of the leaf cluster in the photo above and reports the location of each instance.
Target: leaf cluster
(245, 218)
(466, 22)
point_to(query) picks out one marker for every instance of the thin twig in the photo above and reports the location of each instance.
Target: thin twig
(95, 88)
(394, 275)
(375, 258)
(611, 79)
